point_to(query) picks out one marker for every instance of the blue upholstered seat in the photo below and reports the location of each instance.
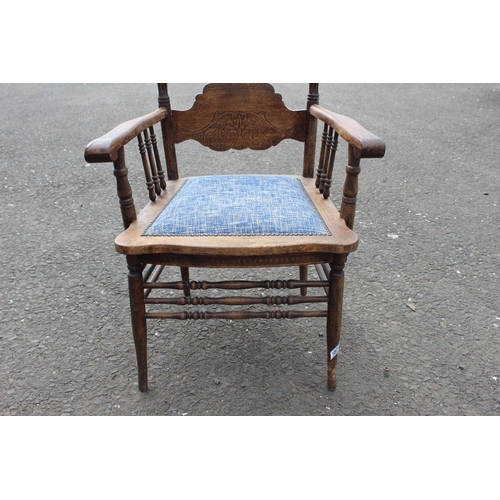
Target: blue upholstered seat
(239, 205)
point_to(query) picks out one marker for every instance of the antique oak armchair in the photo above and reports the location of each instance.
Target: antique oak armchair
(236, 221)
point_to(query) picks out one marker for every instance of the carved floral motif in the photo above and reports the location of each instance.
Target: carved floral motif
(238, 130)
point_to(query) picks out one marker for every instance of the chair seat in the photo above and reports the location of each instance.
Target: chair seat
(239, 205)
(224, 215)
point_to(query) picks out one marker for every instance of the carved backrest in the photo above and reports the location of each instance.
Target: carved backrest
(239, 116)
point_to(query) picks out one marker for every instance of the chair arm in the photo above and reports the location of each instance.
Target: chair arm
(106, 147)
(365, 144)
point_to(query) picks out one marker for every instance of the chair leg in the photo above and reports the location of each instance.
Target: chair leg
(139, 325)
(185, 278)
(303, 277)
(334, 318)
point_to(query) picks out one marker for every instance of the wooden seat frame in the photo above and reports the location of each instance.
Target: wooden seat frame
(223, 117)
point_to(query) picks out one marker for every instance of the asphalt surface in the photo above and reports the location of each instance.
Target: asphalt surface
(421, 297)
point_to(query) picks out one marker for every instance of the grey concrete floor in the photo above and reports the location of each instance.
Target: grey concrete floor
(422, 292)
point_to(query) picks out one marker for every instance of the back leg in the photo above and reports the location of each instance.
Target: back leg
(303, 277)
(185, 279)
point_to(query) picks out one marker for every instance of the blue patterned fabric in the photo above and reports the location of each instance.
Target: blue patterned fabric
(239, 205)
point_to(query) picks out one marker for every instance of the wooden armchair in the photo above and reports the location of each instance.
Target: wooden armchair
(236, 221)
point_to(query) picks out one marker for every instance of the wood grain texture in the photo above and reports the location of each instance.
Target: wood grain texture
(124, 190)
(334, 318)
(168, 132)
(138, 316)
(350, 189)
(237, 261)
(235, 284)
(311, 129)
(341, 240)
(105, 148)
(237, 315)
(367, 144)
(239, 116)
(236, 301)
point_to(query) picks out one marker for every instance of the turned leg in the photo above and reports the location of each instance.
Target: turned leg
(185, 278)
(138, 313)
(334, 318)
(303, 277)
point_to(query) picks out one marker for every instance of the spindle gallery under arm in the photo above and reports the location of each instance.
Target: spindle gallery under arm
(215, 221)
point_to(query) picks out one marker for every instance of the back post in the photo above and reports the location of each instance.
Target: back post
(312, 123)
(167, 132)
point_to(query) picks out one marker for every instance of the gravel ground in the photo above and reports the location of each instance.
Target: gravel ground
(422, 291)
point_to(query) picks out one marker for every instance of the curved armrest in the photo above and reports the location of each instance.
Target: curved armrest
(106, 147)
(366, 144)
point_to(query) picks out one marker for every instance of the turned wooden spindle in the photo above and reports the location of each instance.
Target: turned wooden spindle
(236, 301)
(236, 315)
(326, 159)
(328, 180)
(124, 190)
(322, 153)
(154, 272)
(350, 192)
(159, 168)
(152, 162)
(235, 285)
(149, 181)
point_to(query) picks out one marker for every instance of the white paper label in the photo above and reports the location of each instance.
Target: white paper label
(334, 352)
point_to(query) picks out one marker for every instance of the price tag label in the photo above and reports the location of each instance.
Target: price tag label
(334, 352)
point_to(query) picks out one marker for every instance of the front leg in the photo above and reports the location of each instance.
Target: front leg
(139, 325)
(334, 318)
